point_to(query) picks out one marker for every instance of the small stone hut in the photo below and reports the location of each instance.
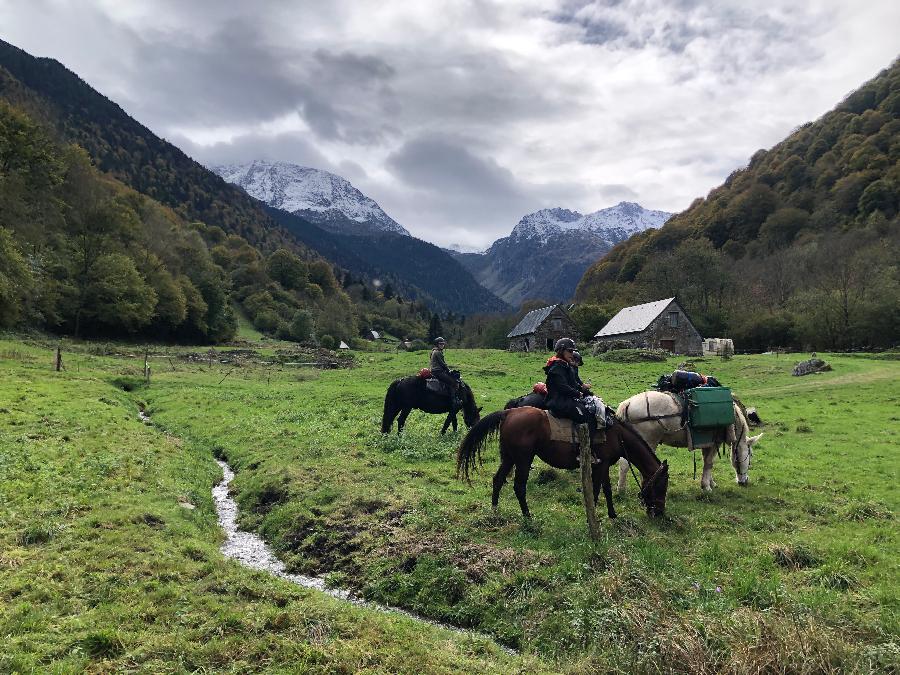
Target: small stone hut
(717, 346)
(540, 329)
(662, 324)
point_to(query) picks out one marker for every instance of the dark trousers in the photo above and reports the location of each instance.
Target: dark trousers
(452, 385)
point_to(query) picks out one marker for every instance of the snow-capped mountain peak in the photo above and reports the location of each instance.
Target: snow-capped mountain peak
(614, 223)
(319, 196)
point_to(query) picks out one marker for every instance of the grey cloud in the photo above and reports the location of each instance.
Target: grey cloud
(442, 164)
(288, 147)
(234, 76)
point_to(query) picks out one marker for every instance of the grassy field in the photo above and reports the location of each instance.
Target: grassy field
(797, 573)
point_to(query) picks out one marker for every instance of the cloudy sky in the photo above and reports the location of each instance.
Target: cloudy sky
(461, 117)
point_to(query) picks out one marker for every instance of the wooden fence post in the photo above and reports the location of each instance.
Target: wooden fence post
(146, 367)
(58, 358)
(587, 482)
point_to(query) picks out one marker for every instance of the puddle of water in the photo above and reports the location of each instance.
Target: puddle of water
(250, 550)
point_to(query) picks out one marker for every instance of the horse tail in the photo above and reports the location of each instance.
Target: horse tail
(390, 409)
(470, 449)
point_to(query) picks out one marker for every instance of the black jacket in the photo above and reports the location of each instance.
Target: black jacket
(563, 391)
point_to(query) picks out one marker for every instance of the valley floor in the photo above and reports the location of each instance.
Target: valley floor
(106, 567)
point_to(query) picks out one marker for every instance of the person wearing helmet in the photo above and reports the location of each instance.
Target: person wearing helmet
(441, 370)
(576, 363)
(564, 389)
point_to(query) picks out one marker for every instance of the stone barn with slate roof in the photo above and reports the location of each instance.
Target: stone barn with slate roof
(539, 330)
(654, 325)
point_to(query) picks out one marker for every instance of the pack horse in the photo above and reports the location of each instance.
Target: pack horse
(659, 417)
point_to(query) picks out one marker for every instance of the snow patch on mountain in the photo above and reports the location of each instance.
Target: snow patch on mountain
(319, 196)
(613, 224)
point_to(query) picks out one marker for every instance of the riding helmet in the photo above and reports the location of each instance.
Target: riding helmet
(440, 341)
(564, 343)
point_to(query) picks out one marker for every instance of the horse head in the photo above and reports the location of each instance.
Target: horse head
(471, 413)
(653, 491)
(742, 449)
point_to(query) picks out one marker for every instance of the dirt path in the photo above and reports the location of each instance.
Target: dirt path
(889, 371)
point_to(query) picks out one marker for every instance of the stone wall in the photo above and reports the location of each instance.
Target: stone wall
(546, 334)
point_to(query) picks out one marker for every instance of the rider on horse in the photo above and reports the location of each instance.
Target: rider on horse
(565, 390)
(441, 371)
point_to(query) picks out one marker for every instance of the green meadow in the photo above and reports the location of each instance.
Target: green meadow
(109, 542)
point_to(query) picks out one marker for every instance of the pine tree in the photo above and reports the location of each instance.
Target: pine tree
(435, 329)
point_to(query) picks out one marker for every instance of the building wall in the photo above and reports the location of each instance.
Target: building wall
(680, 339)
(537, 341)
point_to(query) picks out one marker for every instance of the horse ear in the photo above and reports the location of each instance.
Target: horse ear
(482, 408)
(752, 440)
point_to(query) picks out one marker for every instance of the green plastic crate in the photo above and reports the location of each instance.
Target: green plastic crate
(710, 406)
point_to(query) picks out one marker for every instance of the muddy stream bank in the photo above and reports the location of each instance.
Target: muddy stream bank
(250, 550)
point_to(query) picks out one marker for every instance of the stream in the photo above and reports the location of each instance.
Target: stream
(250, 550)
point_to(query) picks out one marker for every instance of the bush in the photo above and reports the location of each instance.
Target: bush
(328, 342)
(634, 355)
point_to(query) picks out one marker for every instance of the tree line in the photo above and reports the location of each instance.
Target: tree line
(85, 255)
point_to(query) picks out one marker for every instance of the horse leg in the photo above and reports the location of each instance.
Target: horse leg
(523, 468)
(447, 424)
(706, 480)
(402, 419)
(603, 480)
(623, 475)
(506, 465)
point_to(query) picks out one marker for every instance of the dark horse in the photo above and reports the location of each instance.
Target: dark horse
(410, 392)
(525, 432)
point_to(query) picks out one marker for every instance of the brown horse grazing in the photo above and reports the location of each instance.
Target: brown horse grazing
(525, 432)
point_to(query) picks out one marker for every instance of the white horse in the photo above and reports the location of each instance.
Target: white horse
(656, 416)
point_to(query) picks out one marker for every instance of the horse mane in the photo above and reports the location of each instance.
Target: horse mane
(640, 439)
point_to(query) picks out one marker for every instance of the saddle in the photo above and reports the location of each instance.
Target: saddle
(436, 386)
(564, 430)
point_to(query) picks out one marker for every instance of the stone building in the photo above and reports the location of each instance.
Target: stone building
(540, 329)
(654, 325)
(717, 346)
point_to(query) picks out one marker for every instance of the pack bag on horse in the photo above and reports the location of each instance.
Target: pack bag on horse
(692, 411)
(433, 390)
(537, 398)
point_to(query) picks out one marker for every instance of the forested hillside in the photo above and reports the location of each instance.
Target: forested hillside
(416, 268)
(798, 249)
(107, 230)
(119, 145)
(83, 254)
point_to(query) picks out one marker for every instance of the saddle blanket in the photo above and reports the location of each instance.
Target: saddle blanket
(435, 386)
(565, 431)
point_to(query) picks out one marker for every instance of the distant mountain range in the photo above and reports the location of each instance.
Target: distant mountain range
(548, 251)
(328, 214)
(320, 197)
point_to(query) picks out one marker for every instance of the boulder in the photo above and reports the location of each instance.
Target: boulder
(810, 366)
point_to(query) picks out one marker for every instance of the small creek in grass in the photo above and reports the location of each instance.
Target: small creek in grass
(250, 550)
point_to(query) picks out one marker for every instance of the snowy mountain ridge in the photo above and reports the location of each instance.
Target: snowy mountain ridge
(612, 224)
(321, 197)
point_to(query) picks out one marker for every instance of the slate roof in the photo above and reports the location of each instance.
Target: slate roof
(530, 322)
(634, 319)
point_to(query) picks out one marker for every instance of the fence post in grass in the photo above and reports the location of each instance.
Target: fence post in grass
(146, 367)
(58, 358)
(587, 482)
